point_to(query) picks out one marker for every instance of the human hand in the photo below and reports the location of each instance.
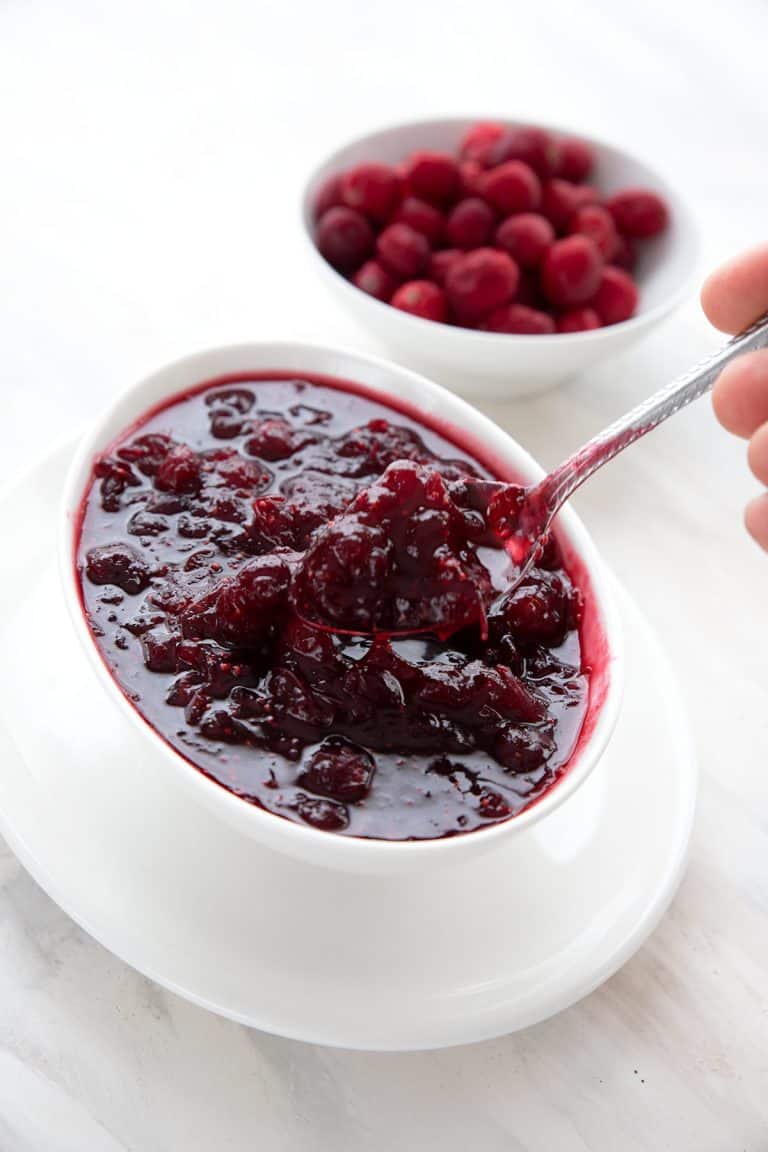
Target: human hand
(732, 297)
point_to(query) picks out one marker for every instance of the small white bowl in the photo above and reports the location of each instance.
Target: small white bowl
(602, 625)
(489, 363)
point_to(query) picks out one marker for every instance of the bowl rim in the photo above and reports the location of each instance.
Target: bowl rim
(688, 223)
(302, 840)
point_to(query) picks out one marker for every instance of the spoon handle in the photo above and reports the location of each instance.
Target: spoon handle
(696, 382)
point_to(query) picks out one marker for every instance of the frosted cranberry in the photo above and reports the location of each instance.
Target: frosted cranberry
(403, 251)
(345, 238)
(616, 297)
(328, 195)
(571, 271)
(421, 298)
(625, 255)
(433, 176)
(339, 769)
(533, 146)
(441, 262)
(519, 319)
(373, 189)
(512, 187)
(575, 159)
(422, 217)
(477, 140)
(481, 281)
(375, 280)
(117, 564)
(469, 175)
(638, 212)
(560, 199)
(578, 320)
(326, 815)
(597, 223)
(470, 223)
(180, 472)
(526, 237)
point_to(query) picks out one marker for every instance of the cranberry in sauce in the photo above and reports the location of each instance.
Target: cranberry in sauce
(205, 528)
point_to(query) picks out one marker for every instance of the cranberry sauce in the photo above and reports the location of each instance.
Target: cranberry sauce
(197, 527)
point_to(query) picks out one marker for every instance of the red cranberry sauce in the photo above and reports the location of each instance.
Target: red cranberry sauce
(193, 534)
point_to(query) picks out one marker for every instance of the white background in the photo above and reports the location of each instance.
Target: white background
(152, 155)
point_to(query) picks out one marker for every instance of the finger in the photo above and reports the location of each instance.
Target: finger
(736, 294)
(740, 395)
(758, 454)
(756, 520)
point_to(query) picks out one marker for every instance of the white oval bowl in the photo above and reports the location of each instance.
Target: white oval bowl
(349, 853)
(501, 364)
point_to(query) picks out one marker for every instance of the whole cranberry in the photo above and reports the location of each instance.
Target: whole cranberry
(373, 189)
(575, 159)
(560, 199)
(512, 187)
(339, 769)
(481, 281)
(570, 273)
(535, 147)
(616, 297)
(440, 262)
(477, 140)
(403, 251)
(117, 564)
(375, 280)
(470, 223)
(638, 212)
(625, 255)
(597, 223)
(526, 237)
(422, 217)
(433, 176)
(328, 195)
(421, 298)
(180, 471)
(469, 175)
(345, 238)
(578, 320)
(519, 319)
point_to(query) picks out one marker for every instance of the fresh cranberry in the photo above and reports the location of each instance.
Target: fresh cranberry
(512, 187)
(433, 176)
(470, 223)
(373, 189)
(477, 140)
(441, 262)
(639, 212)
(180, 471)
(519, 319)
(529, 291)
(578, 320)
(625, 255)
(596, 223)
(575, 159)
(469, 179)
(533, 146)
(571, 271)
(526, 238)
(403, 251)
(374, 279)
(117, 564)
(421, 298)
(422, 217)
(328, 195)
(345, 238)
(481, 281)
(339, 769)
(616, 297)
(560, 200)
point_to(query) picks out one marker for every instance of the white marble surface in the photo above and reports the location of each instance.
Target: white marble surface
(149, 157)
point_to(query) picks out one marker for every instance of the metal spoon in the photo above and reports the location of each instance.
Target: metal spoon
(528, 518)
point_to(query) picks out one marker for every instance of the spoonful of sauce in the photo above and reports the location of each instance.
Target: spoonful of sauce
(402, 558)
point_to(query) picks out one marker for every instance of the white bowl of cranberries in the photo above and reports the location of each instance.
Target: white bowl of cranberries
(502, 256)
